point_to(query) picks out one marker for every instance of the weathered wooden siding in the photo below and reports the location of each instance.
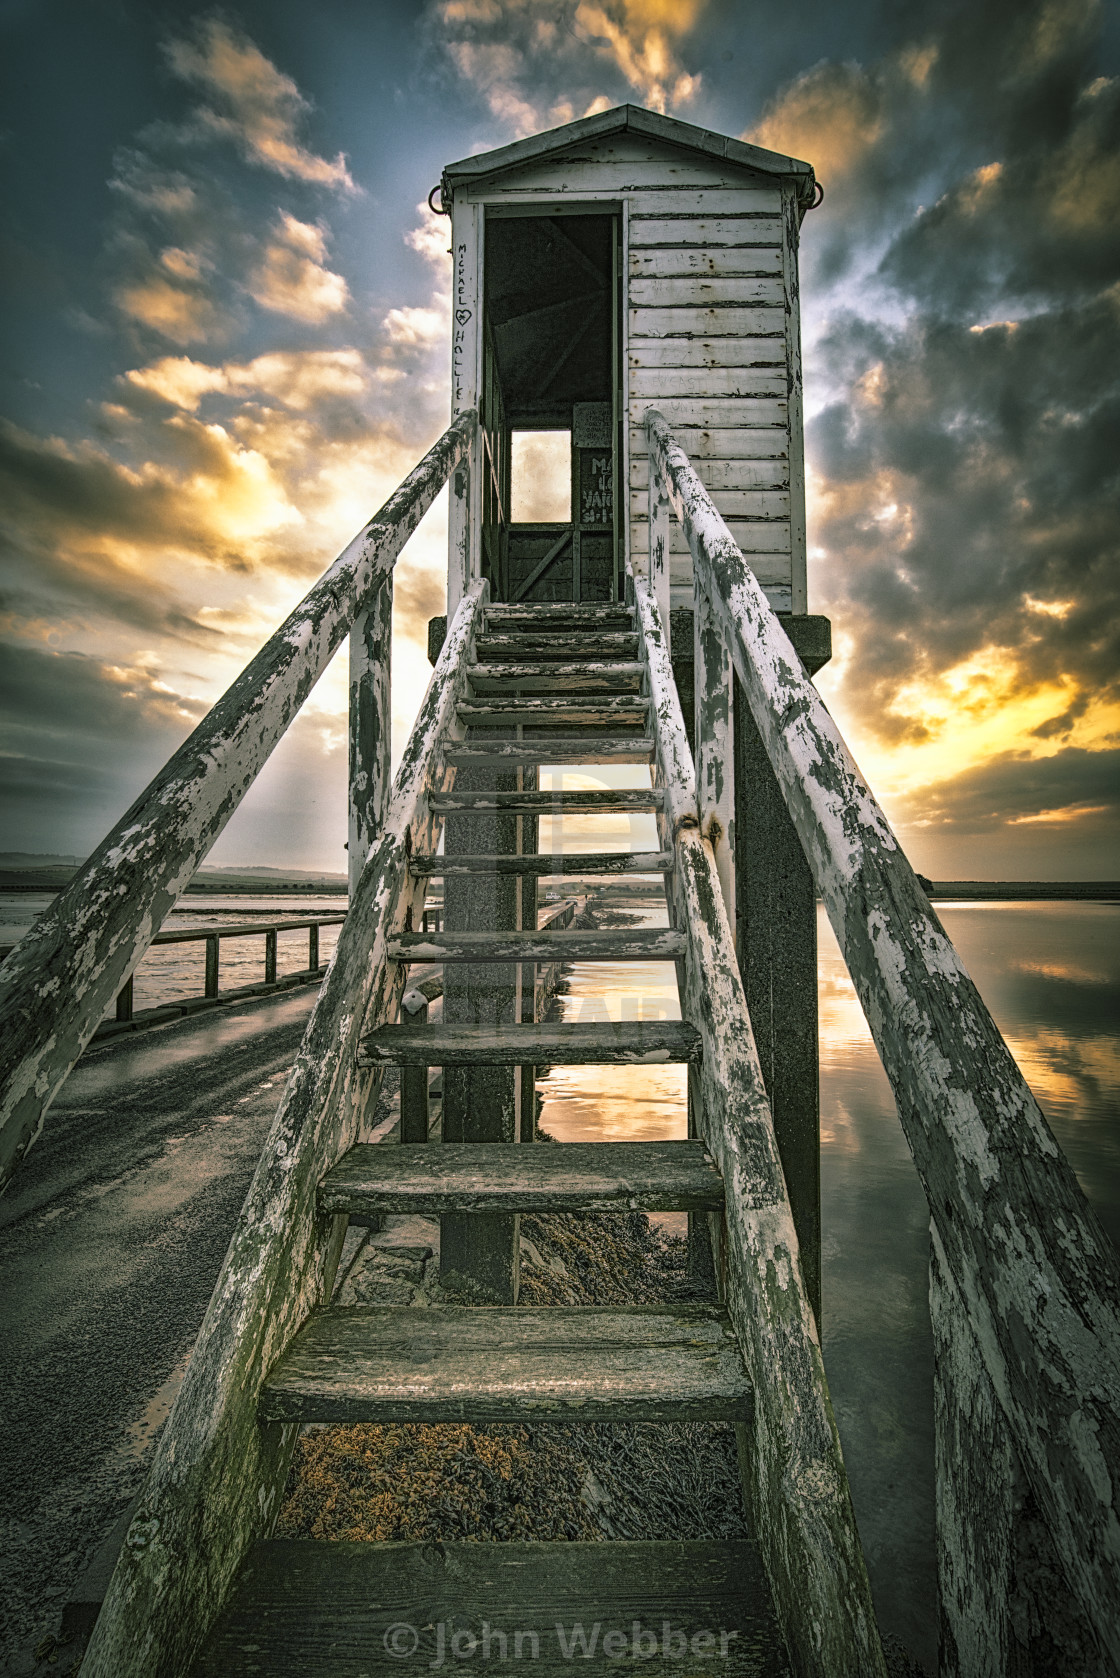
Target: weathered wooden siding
(711, 294)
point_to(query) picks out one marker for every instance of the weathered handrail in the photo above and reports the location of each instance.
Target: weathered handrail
(800, 1500)
(1013, 1234)
(217, 1474)
(64, 973)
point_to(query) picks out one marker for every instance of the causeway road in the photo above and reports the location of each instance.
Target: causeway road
(111, 1238)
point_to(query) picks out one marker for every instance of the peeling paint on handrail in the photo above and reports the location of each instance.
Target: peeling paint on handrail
(64, 973)
(1027, 1255)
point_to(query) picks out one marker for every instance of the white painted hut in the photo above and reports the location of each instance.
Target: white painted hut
(625, 260)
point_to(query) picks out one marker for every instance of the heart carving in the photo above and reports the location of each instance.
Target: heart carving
(462, 316)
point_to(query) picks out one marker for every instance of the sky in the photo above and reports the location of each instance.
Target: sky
(226, 340)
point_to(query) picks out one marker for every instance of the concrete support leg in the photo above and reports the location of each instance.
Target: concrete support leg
(479, 1252)
(776, 936)
(776, 939)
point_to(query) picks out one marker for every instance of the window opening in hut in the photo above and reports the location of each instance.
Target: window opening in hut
(541, 477)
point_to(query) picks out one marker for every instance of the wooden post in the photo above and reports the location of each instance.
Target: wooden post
(414, 1079)
(270, 958)
(211, 965)
(794, 1479)
(479, 1252)
(371, 726)
(529, 844)
(313, 963)
(1005, 1606)
(464, 523)
(715, 745)
(124, 1000)
(658, 504)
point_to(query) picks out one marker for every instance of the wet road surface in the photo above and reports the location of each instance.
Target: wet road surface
(111, 1238)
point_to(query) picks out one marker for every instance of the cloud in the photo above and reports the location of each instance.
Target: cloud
(962, 327)
(518, 53)
(251, 102)
(291, 278)
(297, 378)
(831, 115)
(170, 293)
(1072, 790)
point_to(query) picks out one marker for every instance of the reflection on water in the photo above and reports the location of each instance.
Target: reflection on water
(618, 1103)
(1050, 973)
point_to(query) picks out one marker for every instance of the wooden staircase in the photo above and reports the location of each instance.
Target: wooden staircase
(1026, 1325)
(294, 1609)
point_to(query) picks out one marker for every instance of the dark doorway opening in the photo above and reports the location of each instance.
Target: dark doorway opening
(551, 365)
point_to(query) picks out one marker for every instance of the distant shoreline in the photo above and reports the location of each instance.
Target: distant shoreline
(54, 878)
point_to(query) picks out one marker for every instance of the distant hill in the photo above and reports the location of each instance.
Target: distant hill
(25, 871)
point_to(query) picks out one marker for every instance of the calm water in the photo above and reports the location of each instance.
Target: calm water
(173, 971)
(1050, 972)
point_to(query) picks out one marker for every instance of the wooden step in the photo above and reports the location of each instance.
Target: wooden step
(608, 800)
(513, 753)
(607, 944)
(573, 648)
(304, 1608)
(548, 864)
(499, 1177)
(620, 676)
(608, 713)
(381, 1363)
(549, 613)
(599, 1043)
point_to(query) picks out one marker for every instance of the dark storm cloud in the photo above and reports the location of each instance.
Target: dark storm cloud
(1073, 785)
(967, 261)
(68, 694)
(80, 740)
(1004, 447)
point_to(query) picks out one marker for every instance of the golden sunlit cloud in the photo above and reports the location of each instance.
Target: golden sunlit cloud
(179, 312)
(292, 279)
(298, 378)
(533, 60)
(830, 117)
(252, 102)
(639, 40)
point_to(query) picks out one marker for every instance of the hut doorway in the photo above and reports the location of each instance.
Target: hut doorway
(550, 406)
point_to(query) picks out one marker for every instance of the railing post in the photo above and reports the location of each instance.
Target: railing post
(124, 1000)
(212, 943)
(1004, 1603)
(479, 1251)
(313, 949)
(270, 958)
(371, 725)
(658, 504)
(414, 1079)
(715, 743)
